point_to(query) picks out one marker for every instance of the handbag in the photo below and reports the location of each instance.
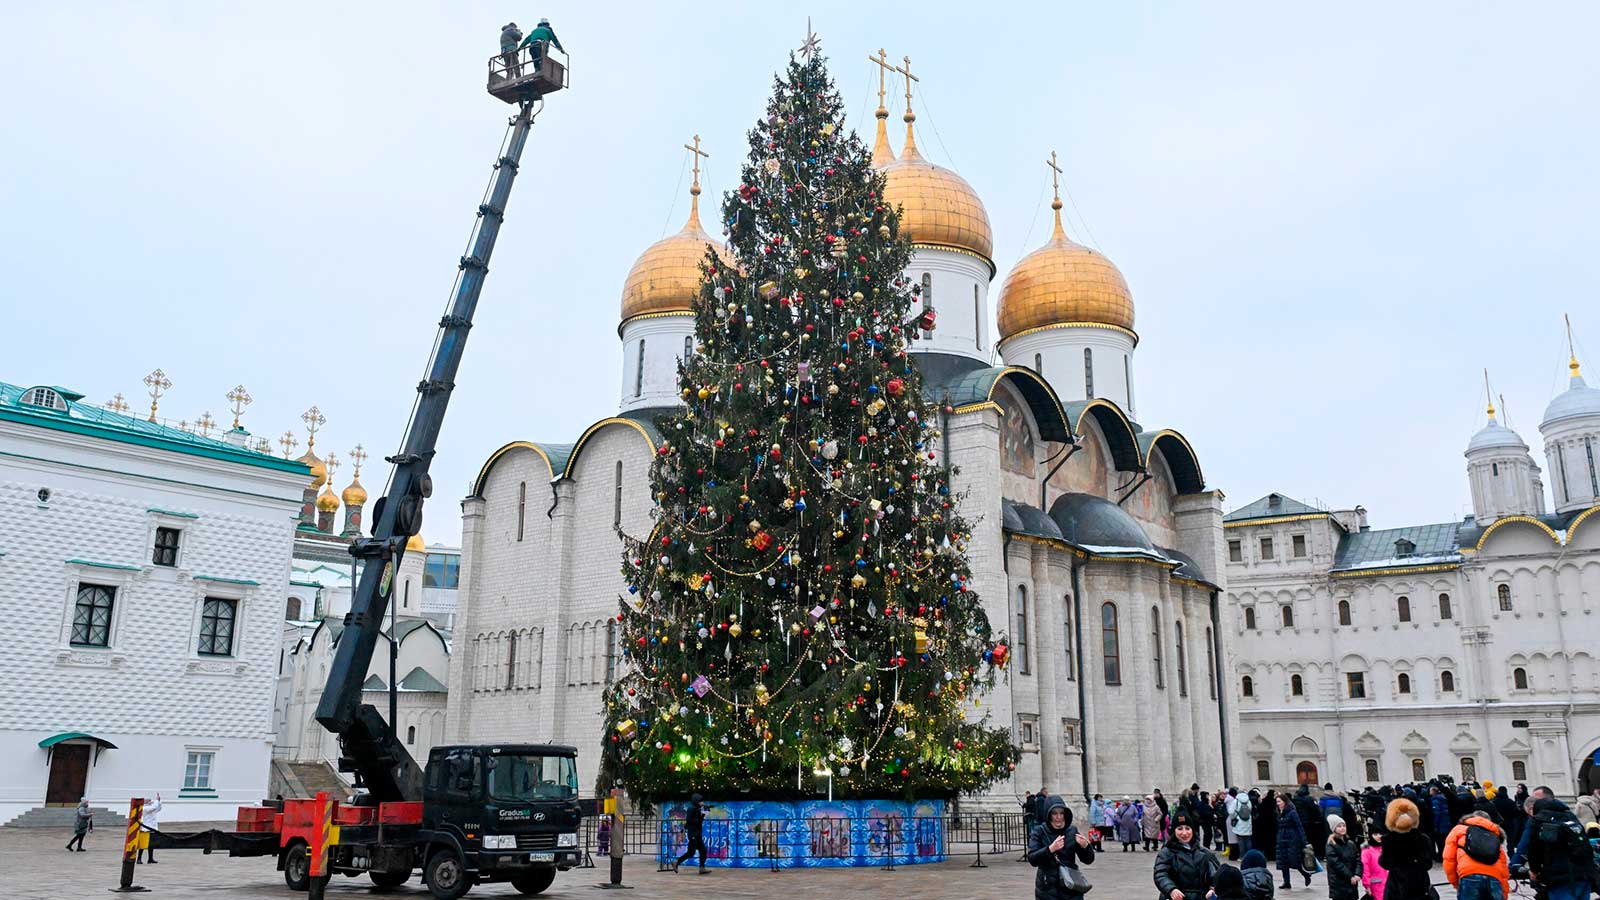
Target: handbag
(1074, 881)
(1308, 859)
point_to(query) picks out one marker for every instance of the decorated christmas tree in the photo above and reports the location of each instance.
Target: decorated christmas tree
(802, 603)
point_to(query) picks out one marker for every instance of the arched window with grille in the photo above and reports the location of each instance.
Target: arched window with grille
(1022, 630)
(1155, 648)
(1504, 593)
(1344, 612)
(1445, 611)
(1110, 651)
(1372, 771)
(1419, 770)
(411, 734)
(1250, 618)
(1402, 608)
(1447, 682)
(1519, 770)
(1403, 683)
(1519, 678)
(1297, 685)
(1247, 686)
(1287, 612)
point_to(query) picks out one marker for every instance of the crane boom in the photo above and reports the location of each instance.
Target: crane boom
(368, 745)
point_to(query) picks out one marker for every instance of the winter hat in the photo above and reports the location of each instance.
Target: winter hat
(1402, 815)
(1334, 822)
(1255, 859)
(1229, 880)
(1592, 829)
(1182, 820)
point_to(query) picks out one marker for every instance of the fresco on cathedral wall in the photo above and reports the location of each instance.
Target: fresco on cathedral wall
(1087, 472)
(1152, 505)
(1018, 449)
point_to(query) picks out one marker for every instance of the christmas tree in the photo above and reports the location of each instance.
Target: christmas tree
(802, 603)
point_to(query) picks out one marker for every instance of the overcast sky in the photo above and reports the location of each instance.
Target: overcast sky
(1331, 217)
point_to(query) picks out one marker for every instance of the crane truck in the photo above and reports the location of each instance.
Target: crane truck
(473, 813)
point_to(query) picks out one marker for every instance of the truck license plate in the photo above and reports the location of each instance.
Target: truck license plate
(541, 857)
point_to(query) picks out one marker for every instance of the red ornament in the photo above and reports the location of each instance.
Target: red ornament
(895, 387)
(1000, 653)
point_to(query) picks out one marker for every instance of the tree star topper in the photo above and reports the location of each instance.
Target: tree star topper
(813, 43)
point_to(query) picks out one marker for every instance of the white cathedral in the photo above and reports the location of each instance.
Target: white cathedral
(1463, 648)
(1097, 545)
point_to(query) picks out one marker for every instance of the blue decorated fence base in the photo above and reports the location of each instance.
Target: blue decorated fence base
(748, 834)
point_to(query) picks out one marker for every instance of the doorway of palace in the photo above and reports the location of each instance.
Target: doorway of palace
(1306, 773)
(69, 774)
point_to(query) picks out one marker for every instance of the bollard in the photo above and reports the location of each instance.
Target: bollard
(619, 835)
(130, 848)
(977, 824)
(321, 837)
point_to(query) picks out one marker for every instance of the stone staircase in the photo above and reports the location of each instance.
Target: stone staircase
(63, 816)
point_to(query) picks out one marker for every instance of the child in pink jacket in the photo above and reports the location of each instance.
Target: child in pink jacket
(1373, 876)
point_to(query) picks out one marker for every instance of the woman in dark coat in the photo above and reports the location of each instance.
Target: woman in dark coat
(1291, 841)
(1407, 853)
(1265, 834)
(1343, 854)
(1184, 869)
(1055, 845)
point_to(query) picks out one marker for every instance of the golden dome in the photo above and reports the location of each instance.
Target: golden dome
(1060, 283)
(326, 501)
(937, 207)
(415, 545)
(319, 472)
(666, 277)
(355, 494)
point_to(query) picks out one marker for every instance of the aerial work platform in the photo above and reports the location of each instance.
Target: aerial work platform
(527, 73)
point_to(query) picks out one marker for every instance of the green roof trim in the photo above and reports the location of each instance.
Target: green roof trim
(221, 580)
(90, 420)
(304, 583)
(374, 683)
(174, 513)
(102, 565)
(419, 680)
(55, 739)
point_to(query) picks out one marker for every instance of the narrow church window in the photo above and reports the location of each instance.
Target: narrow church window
(511, 661)
(1287, 611)
(1088, 373)
(1211, 665)
(1445, 612)
(1266, 548)
(1038, 363)
(1263, 771)
(1594, 478)
(1447, 682)
(1419, 770)
(1235, 551)
(638, 371)
(1402, 608)
(1519, 678)
(1022, 630)
(688, 348)
(292, 612)
(977, 317)
(1067, 641)
(1494, 469)
(522, 505)
(1299, 546)
(1155, 647)
(1108, 644)
(611, 650)
(405, 594)
(616, 502)
(1469, 769)
(1183, 663)
(1250, 618)
(1344, 612)
(1519, 770)
(1247, 686)
(411, 734)
(1127, 378)
(1356, 685)
(1561, 459)
(1504, 591)
(1372, 771)
(1297, 685)
(1403, 683)
(927, 292)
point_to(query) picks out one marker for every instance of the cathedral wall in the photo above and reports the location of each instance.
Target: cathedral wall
(1151, 504)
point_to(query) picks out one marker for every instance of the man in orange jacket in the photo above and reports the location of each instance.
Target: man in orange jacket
(1473, 878)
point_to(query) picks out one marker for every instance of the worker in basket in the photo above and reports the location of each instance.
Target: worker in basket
(510, 37)
(540, 37)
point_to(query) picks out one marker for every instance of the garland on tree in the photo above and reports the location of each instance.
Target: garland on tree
(803, 603)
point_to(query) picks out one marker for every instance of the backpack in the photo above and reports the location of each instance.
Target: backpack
(1482, 844)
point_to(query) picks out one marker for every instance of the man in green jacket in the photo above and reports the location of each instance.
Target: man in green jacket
(538, 37)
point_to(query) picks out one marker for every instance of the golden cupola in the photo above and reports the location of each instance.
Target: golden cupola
(415, 545)
(319, 471)
(354, 494)
(326, 501)
(1061, 284)
(666, 277)
(938, 208)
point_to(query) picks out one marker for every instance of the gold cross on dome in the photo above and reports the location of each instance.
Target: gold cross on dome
(288, 442)
(695, 187)
(205, 423)
(882, 62)
(158, 383)
(906, 71)
(1055, 176)
(314, 419)
(358, 456)
(332, 462)
(238, 399)
(117, 404)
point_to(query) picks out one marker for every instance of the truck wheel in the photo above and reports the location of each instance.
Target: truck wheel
(297, 868)
(534, 881)
(388, 881)
(446, 875)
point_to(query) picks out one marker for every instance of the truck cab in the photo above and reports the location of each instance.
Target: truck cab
(499, 812)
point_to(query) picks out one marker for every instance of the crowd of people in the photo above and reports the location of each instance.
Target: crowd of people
(1380, 843)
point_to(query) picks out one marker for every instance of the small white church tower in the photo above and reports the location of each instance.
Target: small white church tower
(1505, 480)
(1571, 430)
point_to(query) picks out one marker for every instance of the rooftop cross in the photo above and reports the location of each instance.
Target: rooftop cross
(332, 462)
(238, 399)
(117, 404)
(358, 456)
(288, 442)
(313, 418)
(1055, 186)
(1487, 393)
(158, 383)
(882, 62)
(1572, 355)
(205, 423)
(906, 71)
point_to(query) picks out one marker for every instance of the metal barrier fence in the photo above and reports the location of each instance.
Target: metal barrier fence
(817, 842)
